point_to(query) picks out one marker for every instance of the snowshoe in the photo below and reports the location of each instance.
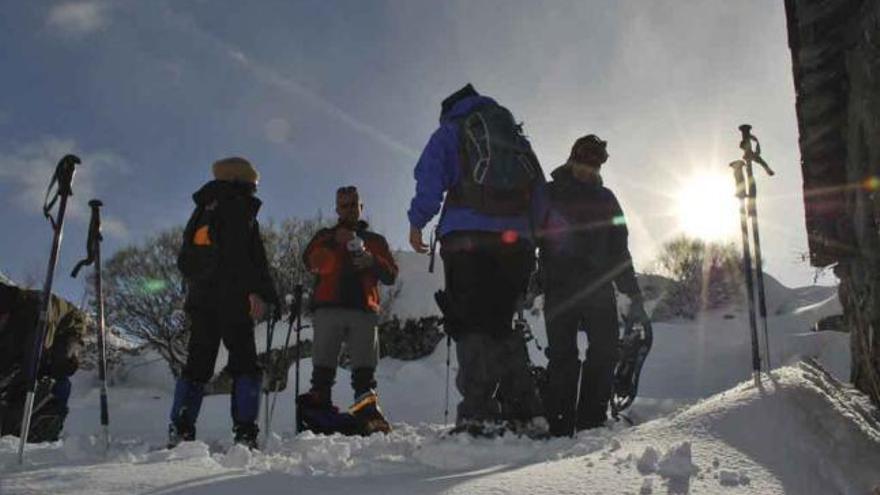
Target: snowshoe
(369, 416)
(536, 428)
(633, 349)
(47, 418)
(246, 434)
(323, 418)
(479, 429)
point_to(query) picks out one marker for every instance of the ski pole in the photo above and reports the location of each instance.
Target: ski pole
(93, 255)
(741, 193)
(296, 310)
(63, 177)
(750, 155)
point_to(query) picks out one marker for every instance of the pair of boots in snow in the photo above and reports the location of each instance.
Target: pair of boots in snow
(245, 405)
(316, 413)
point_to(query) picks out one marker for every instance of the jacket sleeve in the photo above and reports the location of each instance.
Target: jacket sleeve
(68, 341)
(258, 251)
(625, 274)
(435, 172)
(319, 256)
(384, 266)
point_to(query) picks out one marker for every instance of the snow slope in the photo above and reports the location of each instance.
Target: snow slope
(800, 432)
(702, 426)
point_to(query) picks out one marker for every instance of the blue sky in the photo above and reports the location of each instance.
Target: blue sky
(326, 93)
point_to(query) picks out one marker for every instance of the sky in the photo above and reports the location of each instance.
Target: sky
(319, 94)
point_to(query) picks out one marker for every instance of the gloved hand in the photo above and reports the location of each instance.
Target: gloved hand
(636, 312)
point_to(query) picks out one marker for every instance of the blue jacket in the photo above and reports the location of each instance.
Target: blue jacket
(438, 171)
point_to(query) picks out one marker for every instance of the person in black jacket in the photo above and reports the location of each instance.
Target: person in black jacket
(584, 255)
(225, 296)
(19, 312)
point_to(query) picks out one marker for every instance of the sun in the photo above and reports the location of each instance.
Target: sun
(706, 207)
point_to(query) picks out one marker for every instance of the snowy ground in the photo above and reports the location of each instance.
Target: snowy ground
(702, 427)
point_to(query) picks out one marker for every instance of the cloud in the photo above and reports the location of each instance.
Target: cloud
(28, 168)
(78, 18)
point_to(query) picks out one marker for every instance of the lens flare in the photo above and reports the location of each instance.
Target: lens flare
(153, 286)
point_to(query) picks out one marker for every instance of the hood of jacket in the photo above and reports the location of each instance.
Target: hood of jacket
(464, 106)
(217, 190)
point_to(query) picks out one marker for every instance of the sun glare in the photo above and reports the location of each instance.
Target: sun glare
(707, 208)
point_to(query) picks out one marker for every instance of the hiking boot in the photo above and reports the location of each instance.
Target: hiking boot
(179, 432)
(246, 434)
(367, 412)
(479, 428)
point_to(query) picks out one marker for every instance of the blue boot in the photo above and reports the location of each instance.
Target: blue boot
(185, 411)
(245, 409)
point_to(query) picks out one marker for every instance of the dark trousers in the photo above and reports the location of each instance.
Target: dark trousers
(567, 407)
(207, 330)
(485, 277)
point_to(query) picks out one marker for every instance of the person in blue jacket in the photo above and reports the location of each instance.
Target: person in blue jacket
(488, 254)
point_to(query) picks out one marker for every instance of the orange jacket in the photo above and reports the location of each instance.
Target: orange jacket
(339, 283)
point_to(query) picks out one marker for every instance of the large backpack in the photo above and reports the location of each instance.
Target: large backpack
(498, 166)
(199, 255)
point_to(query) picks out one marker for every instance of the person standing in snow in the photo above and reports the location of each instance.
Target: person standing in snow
(229, 288)
(19, 312)
(349, 262)
(485, 166)
(584, 255)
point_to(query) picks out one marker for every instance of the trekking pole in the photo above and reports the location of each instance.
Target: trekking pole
(754, 155)
(63, 178)
(290, 320)
(448, 352)
(296, 311)
(267, 377)
(93, 255)
(738, 166)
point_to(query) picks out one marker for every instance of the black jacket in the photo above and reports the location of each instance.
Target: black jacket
(584, 241)
(243, 268)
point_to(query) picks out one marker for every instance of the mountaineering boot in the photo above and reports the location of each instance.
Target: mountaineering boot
(184, 411)
(246, 434)
(318, 415)
(368, 414)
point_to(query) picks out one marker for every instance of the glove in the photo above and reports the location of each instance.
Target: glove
(636, 312)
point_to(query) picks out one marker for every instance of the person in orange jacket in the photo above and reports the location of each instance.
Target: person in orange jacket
(349, 262)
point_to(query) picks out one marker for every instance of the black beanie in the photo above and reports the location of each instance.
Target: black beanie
(451, 100)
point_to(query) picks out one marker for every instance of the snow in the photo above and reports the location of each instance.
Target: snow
(702, 425)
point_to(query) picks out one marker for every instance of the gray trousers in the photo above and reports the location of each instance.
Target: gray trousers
(494, 379)
(357, 329)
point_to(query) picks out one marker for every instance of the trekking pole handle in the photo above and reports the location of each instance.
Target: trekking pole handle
(64, 173)
(750, 154)
(296, 302)
(739, 177)
(93, 239)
